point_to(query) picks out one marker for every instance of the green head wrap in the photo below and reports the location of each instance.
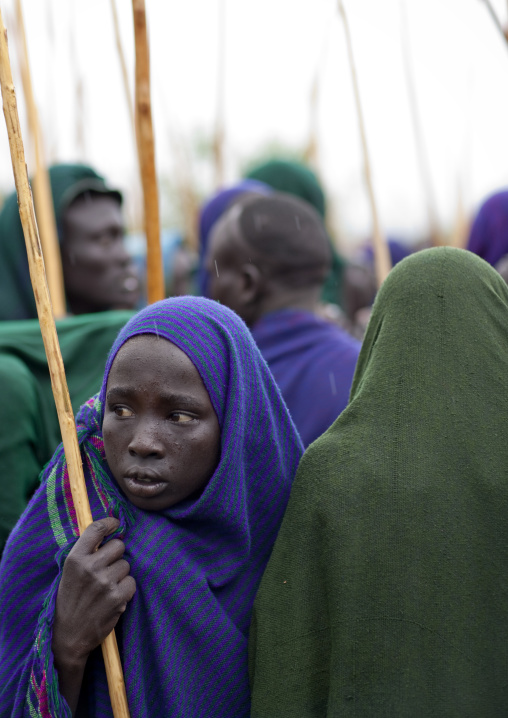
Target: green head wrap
(387, 592)
(67, 182)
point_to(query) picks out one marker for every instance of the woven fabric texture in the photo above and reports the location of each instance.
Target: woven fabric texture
(386, 595)
(197, 565)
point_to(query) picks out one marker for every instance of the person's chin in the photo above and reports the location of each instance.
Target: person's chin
(125, 303)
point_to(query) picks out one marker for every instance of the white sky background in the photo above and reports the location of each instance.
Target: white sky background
(272, 53)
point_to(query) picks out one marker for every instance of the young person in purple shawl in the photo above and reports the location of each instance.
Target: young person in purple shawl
(189, 455)
(267, 259)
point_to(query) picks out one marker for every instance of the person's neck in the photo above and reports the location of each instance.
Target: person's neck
(305, 301)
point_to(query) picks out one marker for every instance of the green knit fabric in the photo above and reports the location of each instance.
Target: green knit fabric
(29, 430)
(300, 181)
(293, 178)
(387, 591)
(16, 293)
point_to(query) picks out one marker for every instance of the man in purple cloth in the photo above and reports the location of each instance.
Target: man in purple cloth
(267, 260)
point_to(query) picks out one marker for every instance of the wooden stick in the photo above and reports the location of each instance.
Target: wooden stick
(311, 153)
(496, 20)
(52, 347)
(123, 66)
(218, 143)
(382, 259)
(146, 153)
(52, 97)
(425, 174)
(135, 204)
(185, 185)
(77, 81)
(186, 188)
(460, 230)
(42, 185)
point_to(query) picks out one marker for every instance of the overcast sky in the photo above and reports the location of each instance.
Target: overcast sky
(273, 50)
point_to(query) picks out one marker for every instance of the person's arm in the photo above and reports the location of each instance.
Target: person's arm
(93, 593)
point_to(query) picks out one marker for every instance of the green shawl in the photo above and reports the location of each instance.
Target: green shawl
(16, 294)
(29, 430)
(387, 591)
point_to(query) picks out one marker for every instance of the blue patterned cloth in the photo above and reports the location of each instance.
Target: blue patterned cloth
(197, 565)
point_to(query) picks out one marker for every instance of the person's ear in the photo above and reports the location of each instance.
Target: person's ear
(251, 284)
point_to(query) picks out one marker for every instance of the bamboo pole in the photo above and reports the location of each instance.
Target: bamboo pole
(425, 174)
(496, 20)
(146, 153)
(218, 142)
(123, 67)
(382, 259)
(311, 153)
(52, 347)
(80, 134)
(42, 186)
(51, 90)
(187, 193)
(134, 208)
(460, 230)
(188, 196)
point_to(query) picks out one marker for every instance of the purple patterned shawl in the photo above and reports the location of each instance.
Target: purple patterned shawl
(197, 565)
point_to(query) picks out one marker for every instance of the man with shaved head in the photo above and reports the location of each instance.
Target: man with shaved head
(267, 260)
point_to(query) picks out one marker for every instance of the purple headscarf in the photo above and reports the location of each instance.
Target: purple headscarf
(398, 251)
(197, 564)
(489, 233)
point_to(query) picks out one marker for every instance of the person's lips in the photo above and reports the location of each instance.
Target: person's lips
(144, 483)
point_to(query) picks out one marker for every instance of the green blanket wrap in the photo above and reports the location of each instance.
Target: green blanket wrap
(29, 430)
(386, 595)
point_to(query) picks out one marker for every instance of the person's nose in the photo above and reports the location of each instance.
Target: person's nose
(122, 256)
(146, 442)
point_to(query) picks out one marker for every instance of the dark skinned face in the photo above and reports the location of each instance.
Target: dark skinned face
(98, 272)
(161, 434)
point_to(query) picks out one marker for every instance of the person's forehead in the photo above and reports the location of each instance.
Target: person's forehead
(152, 351)
(93, 212)
(150, 344)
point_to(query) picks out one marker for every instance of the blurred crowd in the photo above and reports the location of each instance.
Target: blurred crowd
(369, 372)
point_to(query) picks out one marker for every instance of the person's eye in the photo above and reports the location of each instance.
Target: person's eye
(123, 412)
(179, 418)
